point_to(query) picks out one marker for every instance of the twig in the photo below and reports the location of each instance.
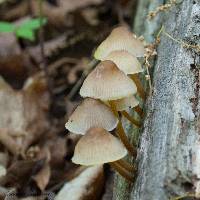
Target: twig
(159, 32)
(44, 61)
(184, 44)
(184, 196)
(80, 81)
(62, 61)
(30, 7)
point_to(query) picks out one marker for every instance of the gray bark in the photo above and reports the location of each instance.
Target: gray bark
(169, 147)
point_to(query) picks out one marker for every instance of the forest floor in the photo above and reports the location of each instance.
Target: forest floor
(39, 88)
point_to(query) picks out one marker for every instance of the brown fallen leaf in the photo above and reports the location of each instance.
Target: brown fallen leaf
(87, 186)
(41, 197)
(78, 4)
(4, 159)
(24, 112)
(3, 192)
(43, 176)
(58, 150)
(13, 69)
(9, 45)
(9, 142)
(14, 62)
(49, 47)
(91, 16)
(20, 172)
(71, 142)
(74, 172)
(20, 10)
(79, 67)
(57, 15)
(2, 170)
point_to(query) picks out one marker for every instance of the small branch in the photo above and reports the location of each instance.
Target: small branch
(184, 196)
(44, 65)
(81, 79)
(184, 44)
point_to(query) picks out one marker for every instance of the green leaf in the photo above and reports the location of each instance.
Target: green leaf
(33, 24)
(6, 27)
(25, 34)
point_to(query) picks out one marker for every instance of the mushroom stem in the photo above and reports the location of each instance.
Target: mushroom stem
(126, 165)
(121, 133)
(131, 119)
(139, 111)
(138, 83)
(122, 171)
(124, 139)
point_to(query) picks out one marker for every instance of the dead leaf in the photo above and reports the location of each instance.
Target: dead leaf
(42, 197)
(43, 176)
(20, 172)
(24, 112)
(57, 15)
(109, 184)
(57, 148)
(49, 47)
(13, 69)
(87, 186)
(13, 61)
(8, 141)
(18, 11)
(71, 142)
(9, 45)
(2, 170)
(4, 159)
(79, 67)
(91, 16)
(74, 172)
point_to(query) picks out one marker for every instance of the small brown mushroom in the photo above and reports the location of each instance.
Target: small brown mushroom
(97, 147)
(125, 103)
(129, 102)
(125, 61)
(120, 38)
(90, 113)
(107, 82)
(130, 65)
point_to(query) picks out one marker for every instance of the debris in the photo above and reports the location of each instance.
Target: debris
(88, 185)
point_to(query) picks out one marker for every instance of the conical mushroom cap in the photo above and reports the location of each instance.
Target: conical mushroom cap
(91, 113)
(98, 146)
(125, 61)
(107, 82)
(120, 39)
(125, 103)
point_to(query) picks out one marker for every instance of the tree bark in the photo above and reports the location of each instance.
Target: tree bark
(169, 148)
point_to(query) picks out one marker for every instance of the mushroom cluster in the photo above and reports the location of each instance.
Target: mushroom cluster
(109, 90)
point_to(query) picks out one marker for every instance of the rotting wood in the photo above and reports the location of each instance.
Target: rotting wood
(168, 153)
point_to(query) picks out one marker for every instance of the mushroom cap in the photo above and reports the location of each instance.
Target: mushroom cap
(125, 61)
(125, 103)
(120, 39)
(107, 82)
(98, 146)
(91, 113)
